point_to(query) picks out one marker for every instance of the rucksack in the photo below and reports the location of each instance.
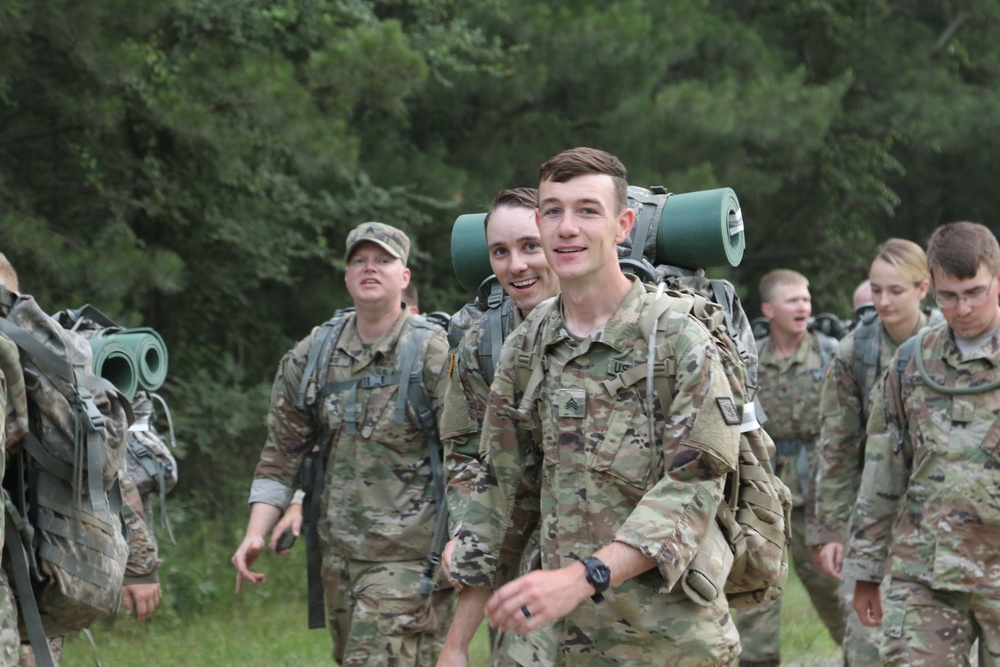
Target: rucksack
(493, 312)
(755, 516)
(313, 390)
(65, 544)
(149, 462)
(867, 349)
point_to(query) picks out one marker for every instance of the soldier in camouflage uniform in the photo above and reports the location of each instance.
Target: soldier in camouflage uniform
(928, 511)
(13, 426)
(792, 362)
(622, 511)
(899, 281)
(519, 264)
(378, 512)
(141, 592)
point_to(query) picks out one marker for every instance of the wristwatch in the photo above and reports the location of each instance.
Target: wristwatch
(598, 576)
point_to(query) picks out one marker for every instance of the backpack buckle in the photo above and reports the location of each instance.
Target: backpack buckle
(95, 420)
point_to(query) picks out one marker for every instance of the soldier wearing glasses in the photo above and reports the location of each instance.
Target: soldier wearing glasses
(928, 513)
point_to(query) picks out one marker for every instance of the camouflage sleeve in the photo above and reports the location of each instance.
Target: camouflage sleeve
(290, 433)
(700, 444)
(16, 400)
(839, 450)
(883, 483)
(503, 507)
(461, 422)
(143, 557)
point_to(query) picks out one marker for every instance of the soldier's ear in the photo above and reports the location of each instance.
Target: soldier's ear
(767, 309)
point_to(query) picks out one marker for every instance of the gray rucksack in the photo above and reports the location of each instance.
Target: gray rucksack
(64, 534)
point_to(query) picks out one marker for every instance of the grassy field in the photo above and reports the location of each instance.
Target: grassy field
(266, 627)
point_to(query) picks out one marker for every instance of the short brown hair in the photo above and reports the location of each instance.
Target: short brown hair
(960, 248)
(582, 161)
(513, 198)
(779, 278)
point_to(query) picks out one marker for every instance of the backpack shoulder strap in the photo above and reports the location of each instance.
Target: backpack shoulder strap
(529, 363)
(323, 340)
(494, 326)
(866, 347)
(827, 349)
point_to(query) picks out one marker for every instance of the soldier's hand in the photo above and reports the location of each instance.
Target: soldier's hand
(537, 598)
(263, 516)
(141, 599)
(830, 559)
(244, 557)
(292, 518)
(868, 603)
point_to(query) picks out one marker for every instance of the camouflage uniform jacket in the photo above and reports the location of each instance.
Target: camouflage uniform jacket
(929, 506)
(378, 497)
(845, 404)
(584, 467)
(789, 392)
(143, 554)
(462, 417)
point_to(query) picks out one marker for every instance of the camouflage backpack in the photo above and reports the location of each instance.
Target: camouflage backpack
(64, 535)
(755, 517)
(149, 461)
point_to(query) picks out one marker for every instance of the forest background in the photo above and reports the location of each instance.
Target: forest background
(195, 165)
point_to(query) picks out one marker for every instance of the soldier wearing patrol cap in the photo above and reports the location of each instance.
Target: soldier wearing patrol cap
(378, 507)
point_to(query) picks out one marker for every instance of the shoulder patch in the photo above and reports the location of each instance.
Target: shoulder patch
(728, 410)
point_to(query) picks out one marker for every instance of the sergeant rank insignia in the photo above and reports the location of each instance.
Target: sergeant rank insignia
(728, 410)
(572, 403)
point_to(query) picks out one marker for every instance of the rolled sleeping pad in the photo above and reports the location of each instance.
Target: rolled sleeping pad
(470, 254)
(692, 230)
(150, 355)
(115, 362)
(701, 229)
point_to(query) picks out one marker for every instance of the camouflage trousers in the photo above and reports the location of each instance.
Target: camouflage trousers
(377, 617)
(924, 627)
(27, 658)
(10, 638)
(861, 643)
(760, 628)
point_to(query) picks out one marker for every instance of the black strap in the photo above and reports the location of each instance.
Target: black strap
(25, 594)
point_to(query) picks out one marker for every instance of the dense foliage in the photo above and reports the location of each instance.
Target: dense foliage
(194, 165)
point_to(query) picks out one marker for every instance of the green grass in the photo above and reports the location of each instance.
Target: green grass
(266, 627)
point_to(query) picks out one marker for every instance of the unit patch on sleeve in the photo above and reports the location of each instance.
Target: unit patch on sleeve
(728, 409)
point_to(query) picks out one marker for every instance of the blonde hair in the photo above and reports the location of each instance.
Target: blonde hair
(906, 257)
(772, 280)
(8, 276)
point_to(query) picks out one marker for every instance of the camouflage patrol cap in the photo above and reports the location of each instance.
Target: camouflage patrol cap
(392, 240)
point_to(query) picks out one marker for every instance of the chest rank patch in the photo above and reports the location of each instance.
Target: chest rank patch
(572, 403)
(728, 410)
(962, 411)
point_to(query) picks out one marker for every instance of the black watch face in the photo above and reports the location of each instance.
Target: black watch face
(600, 574)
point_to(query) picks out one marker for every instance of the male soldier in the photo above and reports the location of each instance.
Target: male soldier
(792, 363)
(411, 298)
(519, 264)
(378, 508)
(140, 591)
(928, 513)
(13, 417)
(622, 511)
(862, 295)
